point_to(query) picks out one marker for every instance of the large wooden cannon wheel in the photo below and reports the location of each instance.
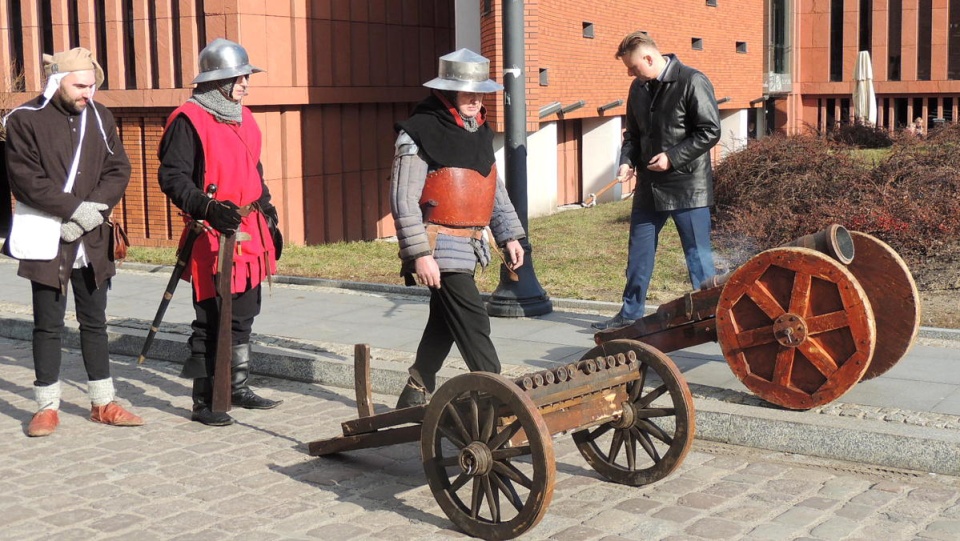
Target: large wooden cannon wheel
(654, 432)
(796, 327)
(893, 294)
(485, 484)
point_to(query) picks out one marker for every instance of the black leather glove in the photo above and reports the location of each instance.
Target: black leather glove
(223, 216)
(273, 224)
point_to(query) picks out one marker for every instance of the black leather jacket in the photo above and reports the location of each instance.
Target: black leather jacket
(681, 119)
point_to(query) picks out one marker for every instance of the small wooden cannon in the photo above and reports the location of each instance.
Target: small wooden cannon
(486, 441)
(800, 324)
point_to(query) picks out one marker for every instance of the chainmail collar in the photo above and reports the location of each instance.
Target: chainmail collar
(470, 123)
(212, 96)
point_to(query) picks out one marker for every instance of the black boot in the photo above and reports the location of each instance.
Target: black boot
(414, 393)
(202, 399)
(242, 396)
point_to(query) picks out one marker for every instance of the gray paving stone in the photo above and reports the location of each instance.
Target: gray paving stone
(874, 498)
(799, 516)
(638, 506)
(835, 528)
(844, 487)
(577, 533)
(772, 531)
(817, 502)
(933, 495)
(613, 521)
(700, 500)
(254, 480)
(712, 528)
(942, 529)
(677, 514)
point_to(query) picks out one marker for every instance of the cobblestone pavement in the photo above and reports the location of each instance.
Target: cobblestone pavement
(174, 479)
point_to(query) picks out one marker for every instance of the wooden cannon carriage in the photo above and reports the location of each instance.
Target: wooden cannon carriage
(486, 441)
(799, 324)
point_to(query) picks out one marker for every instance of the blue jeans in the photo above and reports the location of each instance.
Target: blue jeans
(645, 225)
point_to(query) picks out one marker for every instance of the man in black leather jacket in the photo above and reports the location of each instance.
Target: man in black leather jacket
(672, 123)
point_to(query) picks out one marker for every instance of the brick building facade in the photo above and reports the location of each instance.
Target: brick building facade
(915, 51)
(339, 73)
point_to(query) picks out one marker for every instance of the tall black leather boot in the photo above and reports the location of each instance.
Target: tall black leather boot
(242, 396)
(202, 399)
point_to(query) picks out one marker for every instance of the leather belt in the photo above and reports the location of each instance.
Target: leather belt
(466, 232)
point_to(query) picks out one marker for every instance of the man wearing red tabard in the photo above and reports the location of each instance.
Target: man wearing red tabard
(212, 139)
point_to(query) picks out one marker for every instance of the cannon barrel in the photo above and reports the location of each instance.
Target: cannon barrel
(833, 240)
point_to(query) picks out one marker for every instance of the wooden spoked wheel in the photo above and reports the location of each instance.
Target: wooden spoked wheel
(653, 434)
(487, 486)
(893, 295)
(796, 327)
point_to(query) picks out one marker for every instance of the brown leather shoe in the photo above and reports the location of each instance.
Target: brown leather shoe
(114, 414)
(44, 422)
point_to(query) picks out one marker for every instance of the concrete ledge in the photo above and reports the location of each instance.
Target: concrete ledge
(886, 444)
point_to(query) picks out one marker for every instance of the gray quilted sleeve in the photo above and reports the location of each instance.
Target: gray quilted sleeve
(406, 185)
(504, 223)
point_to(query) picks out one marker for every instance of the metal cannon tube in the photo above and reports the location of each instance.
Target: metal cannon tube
(834, 240)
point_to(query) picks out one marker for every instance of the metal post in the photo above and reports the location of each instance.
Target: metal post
(525, 297)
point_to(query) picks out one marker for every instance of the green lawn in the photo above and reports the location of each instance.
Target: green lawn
(579, 253)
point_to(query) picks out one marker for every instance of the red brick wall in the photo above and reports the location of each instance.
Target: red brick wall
(145, 212)
(585, 69)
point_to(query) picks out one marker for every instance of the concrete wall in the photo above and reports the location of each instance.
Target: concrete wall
(733, 131)
(601, 156)
(541, 169)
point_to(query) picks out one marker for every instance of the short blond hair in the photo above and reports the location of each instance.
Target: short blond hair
(634, 41)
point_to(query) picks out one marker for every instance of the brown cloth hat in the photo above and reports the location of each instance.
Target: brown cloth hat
(78, 59)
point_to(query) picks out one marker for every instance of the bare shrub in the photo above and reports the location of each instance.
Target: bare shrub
(780, 188)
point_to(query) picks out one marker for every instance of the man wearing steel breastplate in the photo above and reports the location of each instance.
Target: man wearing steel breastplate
(444, 193)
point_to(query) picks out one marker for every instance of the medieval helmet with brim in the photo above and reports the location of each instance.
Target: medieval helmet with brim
(464, 71)
(223, 59)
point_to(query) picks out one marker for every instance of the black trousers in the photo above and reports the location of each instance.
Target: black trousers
(203, 341)
(457, 315)
(49, 306)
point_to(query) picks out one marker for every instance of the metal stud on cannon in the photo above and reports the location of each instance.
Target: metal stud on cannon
(486, 441)
(799, 324)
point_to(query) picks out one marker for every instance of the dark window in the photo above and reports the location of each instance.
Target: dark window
(201, 25)
(953, 41)
(100, 18)
(697, 44)
(712, 3)
(588, 30)
(845, 110)
(947, 109)
(778, 29)
(129, 54)
(932, 110)
(16, 45)
(831, 114)
(900, 113)
(177, 63)
(154, 55)
(924, 39)
(73, 21)
(866, 25)
(742, 47)
(894, 30)
(46, 27)
(836, 40)
(544, 76)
